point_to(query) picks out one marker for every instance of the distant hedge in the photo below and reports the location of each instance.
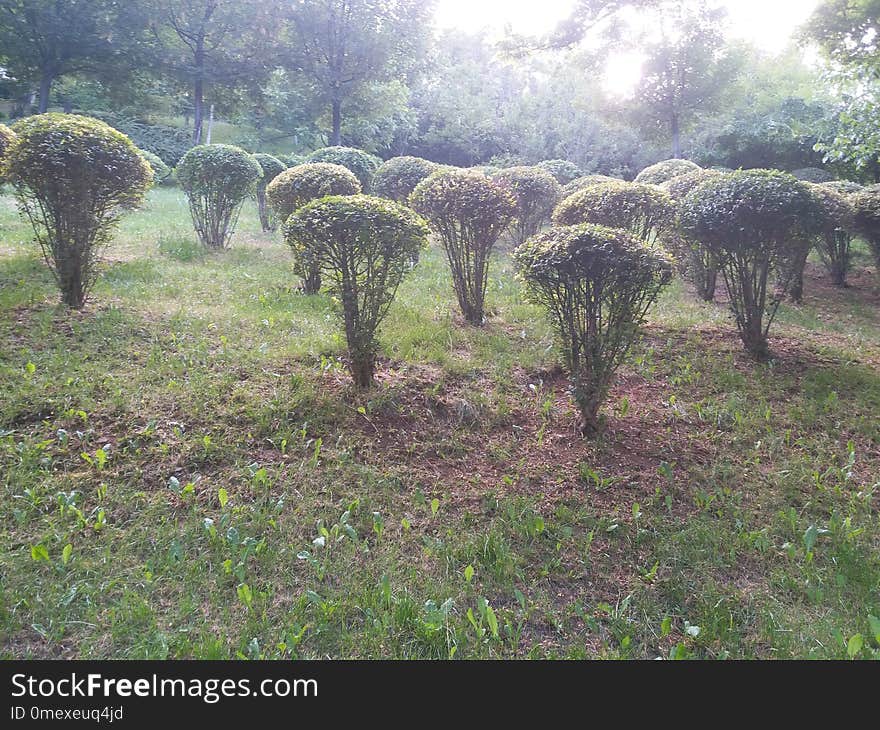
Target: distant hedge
(813, 175)
(563, 170)
(168, 143)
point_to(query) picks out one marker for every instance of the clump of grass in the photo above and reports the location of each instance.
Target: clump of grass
(180, 247)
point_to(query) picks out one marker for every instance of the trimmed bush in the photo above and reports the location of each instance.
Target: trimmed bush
(74, 177)
(845, 187)
(272, 167)
(161, 171)
(297, 186)
(217, 179)
(7, 137)
(754, 221)
(469, 212)
(834, 242)
(643, 210)
(535, 192)
(363, 246)
(597, 285)
(302, 184)
(867, 210)
(696, 262)
(681, 185)
(662, 172)
(397, 178)
(563, 170)
(362, 164)
(813, 175)
(587, 181)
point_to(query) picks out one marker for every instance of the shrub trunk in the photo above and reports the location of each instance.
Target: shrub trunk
(71, 280)
(266, 218)
(589, 400)
(798, 263)
(312, 280)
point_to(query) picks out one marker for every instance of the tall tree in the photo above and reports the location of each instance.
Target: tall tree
(686, 68)
(44, 40)
(588, 16)
(848, 31)
(204, 42)
(343, 44)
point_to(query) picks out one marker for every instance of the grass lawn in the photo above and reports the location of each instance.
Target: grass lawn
(186, 473)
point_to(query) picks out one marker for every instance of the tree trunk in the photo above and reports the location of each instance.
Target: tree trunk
(198, 111)
(45, 90)
(210, 125)
(198, 92)
(266, 220)
(336, 135)
(676, 138)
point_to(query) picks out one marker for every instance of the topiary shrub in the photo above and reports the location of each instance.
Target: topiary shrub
(563, 170)
(272, 167)
(867, 218)
(397, 178)
(696, 262)
(74, 177)
(645, 211)
(813, 175)
(362, 164)
(597, 285)
(302, 184)
(469, 212)
(845, 187)
(662, 172)
(161, 171)
(7, 137)
(363, 246)
(582, 183)
(217, 178)
(834, 241)
(754, 221)
(535, 192)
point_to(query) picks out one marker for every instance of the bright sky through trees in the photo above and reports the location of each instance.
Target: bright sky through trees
(768, 23)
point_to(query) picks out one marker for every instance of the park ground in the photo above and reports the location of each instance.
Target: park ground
(186, 472)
